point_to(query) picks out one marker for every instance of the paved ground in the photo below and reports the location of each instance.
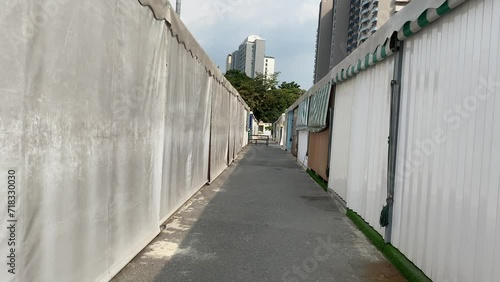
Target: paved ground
(264, 219)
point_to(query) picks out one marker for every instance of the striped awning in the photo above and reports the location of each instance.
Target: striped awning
(380, 45)
(318, 109)
(303, 115)
(394, 31)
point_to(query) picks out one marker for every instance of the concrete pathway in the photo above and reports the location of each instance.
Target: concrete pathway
(264, 219)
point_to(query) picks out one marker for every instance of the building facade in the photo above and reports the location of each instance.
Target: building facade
(340, 28)
(367, 16)
(323, 39)
(344, 25)
(269, 66)
(250, 58)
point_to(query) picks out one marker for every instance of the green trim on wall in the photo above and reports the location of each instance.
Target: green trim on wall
(321, 182)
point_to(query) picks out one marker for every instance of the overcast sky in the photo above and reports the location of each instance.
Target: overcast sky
(289, 27)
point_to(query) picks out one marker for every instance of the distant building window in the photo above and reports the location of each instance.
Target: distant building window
(261, 128)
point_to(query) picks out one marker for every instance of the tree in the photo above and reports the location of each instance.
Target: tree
(263, 95)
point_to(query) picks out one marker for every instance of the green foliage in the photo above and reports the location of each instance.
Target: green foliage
(263, 95)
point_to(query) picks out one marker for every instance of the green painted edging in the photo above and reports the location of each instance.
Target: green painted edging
(318, 179)
(403, 264)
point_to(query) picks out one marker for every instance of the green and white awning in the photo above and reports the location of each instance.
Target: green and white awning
(318, 109)
(426, 18)
(382, 44)
(303, 115)
(390, 35)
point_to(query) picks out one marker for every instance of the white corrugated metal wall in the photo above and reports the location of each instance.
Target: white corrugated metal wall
(303, 146)
(341, 138)
(366, 139)
(446, 213)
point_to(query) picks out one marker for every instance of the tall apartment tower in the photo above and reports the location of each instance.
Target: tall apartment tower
(340, 30)
(323, 40)
(229, 61)
(344, 24)
(352, 37)
(331, 37)
(269, 66)
(367, 16)
(250, 57)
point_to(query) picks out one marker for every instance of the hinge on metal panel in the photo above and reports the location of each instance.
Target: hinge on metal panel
(394, 82)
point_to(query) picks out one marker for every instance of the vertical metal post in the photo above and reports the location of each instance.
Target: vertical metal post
(393, 136)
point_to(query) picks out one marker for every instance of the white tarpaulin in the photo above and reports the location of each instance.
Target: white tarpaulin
(219, 145)
(104, 131)
(187, 128)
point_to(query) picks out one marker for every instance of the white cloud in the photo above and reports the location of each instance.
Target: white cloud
(220, 26)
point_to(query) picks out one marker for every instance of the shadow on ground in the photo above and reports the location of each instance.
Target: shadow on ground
(264, 219)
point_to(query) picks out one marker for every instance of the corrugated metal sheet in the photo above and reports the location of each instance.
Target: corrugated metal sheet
(446, 213)
(368, 148)
(303, 147)
(289, 130)
(341, 138)
(295, 137)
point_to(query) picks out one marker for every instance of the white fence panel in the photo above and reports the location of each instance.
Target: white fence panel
(105, 124)
(447, 215)
(81, 123)
(341, 137)
(303, 147)
(233, 126)
(368, 149)
(187, 128)
(219, 147)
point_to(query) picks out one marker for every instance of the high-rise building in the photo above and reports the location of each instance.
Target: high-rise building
(269, 66)
(331, 37)
(352, 37)
(367, 16)
(340, 28)
(229, 62)
(323, 40)
(250, 57)
(344, 25)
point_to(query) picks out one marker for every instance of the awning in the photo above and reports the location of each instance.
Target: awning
(383, 43)
(318, 109)
(303, 115)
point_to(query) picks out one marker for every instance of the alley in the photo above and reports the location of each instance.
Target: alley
(264, 219)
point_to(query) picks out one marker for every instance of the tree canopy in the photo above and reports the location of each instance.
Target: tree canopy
(265, 96)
